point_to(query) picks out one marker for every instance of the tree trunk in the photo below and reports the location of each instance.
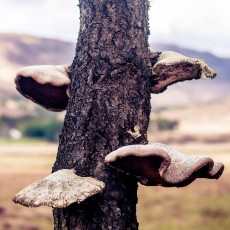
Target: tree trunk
(109, 107)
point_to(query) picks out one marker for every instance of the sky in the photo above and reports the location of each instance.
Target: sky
(196, 24)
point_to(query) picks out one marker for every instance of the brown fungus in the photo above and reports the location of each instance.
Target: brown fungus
(46, 85)
(172, 67)
(59, 190)
(157, 164)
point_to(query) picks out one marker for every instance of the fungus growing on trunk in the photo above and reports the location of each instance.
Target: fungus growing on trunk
(49, 86)
(153, 164)
(112, 76)
(59, 190)
(158, 164)
(46, 85)
(172, 67)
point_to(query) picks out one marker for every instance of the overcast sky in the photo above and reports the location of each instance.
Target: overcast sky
(196, 24)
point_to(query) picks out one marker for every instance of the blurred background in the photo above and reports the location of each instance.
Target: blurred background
(193, 117)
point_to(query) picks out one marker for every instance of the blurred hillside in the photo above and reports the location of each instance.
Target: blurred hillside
(191, 100)
(17, 51)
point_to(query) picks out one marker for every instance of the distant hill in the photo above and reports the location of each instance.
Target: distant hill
(28, 50)
(18, 50)
(207, 122)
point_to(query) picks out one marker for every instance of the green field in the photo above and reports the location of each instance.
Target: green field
(203, 205)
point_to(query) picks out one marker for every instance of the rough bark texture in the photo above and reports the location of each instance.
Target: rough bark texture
(109, 107)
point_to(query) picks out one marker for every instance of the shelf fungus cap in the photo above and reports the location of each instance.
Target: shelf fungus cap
(46, 85)
(59, 190)
(172, 67)
(157, 164)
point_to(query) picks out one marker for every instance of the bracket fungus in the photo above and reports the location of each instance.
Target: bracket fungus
(153, 164)
(172, 67)
(49, 85)
(46, 85)
(158, 164)
(59, 190)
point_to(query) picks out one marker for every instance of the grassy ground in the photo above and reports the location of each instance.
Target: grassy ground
(20, 166)
(203, 205)
(22, 141)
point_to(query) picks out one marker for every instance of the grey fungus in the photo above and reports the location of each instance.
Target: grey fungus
(158, 164)
(49, 85)
(59, 190)
(172, 67)
(46, 85)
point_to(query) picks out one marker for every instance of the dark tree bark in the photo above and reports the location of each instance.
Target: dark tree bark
(109, 107)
